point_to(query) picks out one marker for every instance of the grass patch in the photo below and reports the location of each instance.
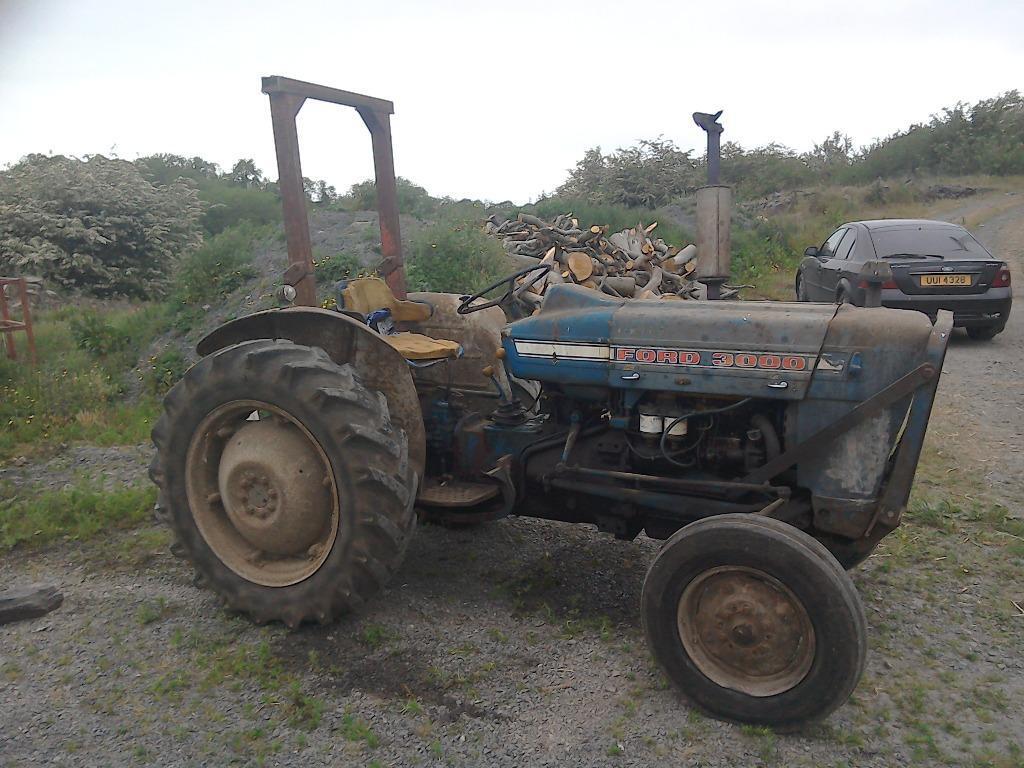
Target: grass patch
(78, 513)
(455, 256)
(78, 390)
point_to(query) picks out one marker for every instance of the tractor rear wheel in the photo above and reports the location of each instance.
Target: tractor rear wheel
(755, 621)
(284, 480)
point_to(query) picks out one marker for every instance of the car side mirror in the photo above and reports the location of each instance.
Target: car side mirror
(811, 250)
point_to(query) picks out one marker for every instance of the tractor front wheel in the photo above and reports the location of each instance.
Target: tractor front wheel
(284, 481)
(755, 621)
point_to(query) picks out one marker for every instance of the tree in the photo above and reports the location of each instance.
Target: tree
(244, 173)
(319, 191)
(647, 175)
(95, 224)
(166, 168)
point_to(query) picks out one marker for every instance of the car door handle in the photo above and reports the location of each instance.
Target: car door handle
(631, 377)
(779, 385)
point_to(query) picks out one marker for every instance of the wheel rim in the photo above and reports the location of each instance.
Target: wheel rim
(746, 631)
(262, 493)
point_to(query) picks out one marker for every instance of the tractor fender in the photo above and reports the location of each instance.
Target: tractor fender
(345, 340)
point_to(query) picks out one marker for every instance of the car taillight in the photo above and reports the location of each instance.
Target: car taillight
(886, 284)
(1002, 278)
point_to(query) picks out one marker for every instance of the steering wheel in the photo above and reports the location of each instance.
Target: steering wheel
(511, 291)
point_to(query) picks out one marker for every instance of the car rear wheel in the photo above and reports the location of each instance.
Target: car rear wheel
(984, 333)
(801, 289)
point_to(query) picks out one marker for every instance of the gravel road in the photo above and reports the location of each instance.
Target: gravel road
(519, 643)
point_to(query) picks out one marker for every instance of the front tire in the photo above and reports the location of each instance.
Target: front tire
(285, 482)
(755, 621)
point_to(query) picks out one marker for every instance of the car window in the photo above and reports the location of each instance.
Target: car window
(843, 251)
(947, 242)
(830, 245)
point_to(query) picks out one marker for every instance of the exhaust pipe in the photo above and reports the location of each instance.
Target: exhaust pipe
(714, 207)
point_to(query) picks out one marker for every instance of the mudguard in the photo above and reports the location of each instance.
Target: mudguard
(345, 340)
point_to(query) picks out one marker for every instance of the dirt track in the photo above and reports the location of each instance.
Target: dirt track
(519, 643)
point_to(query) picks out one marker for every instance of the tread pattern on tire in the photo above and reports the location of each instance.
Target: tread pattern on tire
(790, 709)
(369, 458)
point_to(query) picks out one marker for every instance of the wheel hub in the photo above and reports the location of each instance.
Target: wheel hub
(273, 487)
(746, 631)
(262, 493)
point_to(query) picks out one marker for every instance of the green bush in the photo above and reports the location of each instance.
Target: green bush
(229, 206)
(220, 266)
(96, 225)
(760, 250)
(97, 335)
(412, 199)
(455, 257)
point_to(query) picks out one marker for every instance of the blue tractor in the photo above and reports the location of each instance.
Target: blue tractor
(769, 445)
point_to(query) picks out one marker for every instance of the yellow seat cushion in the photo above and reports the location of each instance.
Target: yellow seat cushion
(368, 294)
(416, 346)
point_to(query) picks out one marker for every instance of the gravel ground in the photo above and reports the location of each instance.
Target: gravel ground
(518, 642)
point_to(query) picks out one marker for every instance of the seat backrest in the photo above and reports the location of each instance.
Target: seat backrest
(368, 294)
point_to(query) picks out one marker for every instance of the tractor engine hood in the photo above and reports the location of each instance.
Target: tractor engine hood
(733, 348)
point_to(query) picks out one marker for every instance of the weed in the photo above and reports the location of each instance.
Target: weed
(412, 707)
(338, 266)
(354, 729)
(375, 635)
(151, 612)
(497, 635)
(304, 711)
(163, 370)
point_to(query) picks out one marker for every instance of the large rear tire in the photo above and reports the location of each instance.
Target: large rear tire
(285, 482)
(755, 621)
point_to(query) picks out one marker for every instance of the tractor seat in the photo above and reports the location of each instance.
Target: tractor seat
(369, 294)
(416, 346)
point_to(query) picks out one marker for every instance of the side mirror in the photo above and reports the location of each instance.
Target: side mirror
(811, 250)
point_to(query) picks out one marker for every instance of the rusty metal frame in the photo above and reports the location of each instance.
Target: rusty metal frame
(286, 99)
(8, 325)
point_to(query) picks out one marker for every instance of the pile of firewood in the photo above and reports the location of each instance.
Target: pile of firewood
(626, 264)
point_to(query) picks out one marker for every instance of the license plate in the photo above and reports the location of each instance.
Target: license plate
(929, 281)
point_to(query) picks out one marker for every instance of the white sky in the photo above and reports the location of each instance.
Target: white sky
(492, 100)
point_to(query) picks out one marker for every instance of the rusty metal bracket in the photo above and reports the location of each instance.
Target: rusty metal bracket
(865, 410)
(896, 493)
(8, 325)
(286, 99)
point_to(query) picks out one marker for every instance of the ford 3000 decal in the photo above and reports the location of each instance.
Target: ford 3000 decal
(771, 361)
(709, 358)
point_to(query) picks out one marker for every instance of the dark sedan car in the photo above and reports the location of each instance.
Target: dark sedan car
(935, 266)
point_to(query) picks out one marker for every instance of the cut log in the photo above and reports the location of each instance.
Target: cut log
(28, 602)
(581, 266)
